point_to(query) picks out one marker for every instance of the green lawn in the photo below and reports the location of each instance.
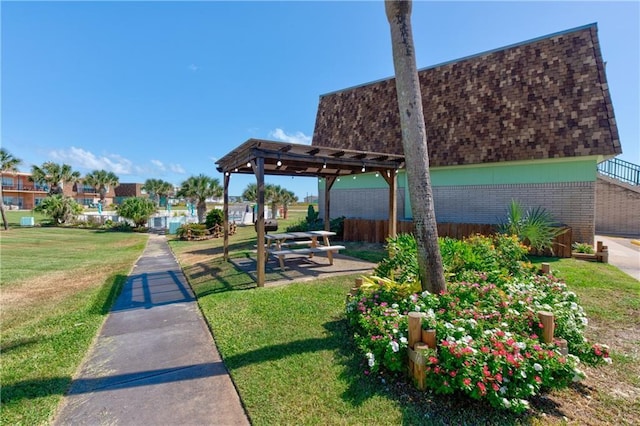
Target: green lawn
(58, 284)
(290, 354)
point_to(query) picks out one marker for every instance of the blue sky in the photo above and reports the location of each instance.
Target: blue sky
(163, 89)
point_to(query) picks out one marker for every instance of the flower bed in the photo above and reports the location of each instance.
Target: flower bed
(487, 327)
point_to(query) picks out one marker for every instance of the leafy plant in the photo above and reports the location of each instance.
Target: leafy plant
(312, 214)
(488, 344)
(60, 208)
(534, 227)
(582, 248)
(214, 217)
(190, 230)
(138, 209)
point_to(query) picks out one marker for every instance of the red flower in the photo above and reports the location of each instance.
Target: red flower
(482, 387)
(467, 382)
(538, 379)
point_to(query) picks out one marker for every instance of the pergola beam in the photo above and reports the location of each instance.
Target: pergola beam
(262, 156)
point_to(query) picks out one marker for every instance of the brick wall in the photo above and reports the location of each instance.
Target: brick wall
(572, 204)
(617, 208)
(362, 203)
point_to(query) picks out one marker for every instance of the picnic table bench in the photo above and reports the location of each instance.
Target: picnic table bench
(278, 245)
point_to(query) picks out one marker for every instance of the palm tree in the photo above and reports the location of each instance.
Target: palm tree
(54, 175)
(8, 163)
(200, 188)
(250, 193)
(272, 194)
(287, 197)
(414, 143)
(157, 188)
(101, 180)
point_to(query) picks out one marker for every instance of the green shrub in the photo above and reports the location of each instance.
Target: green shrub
(582, 248)
(496, 258)
(191, 230)
(59, 208)
(336, 225)
(534, 227)
(214, 217)
(312, 215)
(488, 345)
(137, 209)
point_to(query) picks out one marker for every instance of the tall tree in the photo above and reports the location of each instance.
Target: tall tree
(8, 164)
(102, 181)
(156, 188)
(200, 188)
(287, 197)
(272, 195)
(54, 175)
(250, 193)
(414, 143)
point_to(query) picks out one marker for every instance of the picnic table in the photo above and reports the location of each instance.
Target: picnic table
(301, 243)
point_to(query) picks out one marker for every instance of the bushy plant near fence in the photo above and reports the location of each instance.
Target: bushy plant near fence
(487, 327)
(336, 225)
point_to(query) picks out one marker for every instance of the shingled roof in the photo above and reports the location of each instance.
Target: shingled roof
(545, 98)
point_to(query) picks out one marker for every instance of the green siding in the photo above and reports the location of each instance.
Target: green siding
(548, 171)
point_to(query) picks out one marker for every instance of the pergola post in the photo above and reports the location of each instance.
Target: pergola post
(392, 179)
(328, 183)
(225, 211)
(258, 169)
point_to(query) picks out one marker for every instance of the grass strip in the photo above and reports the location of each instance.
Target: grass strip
(43, 343)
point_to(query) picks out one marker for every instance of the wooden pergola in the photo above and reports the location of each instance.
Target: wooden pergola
(264, 157)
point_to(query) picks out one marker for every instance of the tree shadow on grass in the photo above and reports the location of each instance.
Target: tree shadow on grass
(32, 389)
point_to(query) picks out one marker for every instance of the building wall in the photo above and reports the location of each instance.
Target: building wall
(617, 208)
(482, 193)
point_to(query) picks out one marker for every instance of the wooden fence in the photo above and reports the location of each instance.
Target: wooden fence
(377, 231)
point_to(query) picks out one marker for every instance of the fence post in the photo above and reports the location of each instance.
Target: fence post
(548, 325)
(545, 268)
(416, 360)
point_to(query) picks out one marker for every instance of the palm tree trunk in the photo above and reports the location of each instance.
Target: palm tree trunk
(414, 142)
(202, 210)
(4, 216)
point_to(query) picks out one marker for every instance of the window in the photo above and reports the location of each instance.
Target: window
(7, 181)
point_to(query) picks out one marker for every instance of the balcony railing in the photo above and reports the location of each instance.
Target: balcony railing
(34, 188)
(622, 170)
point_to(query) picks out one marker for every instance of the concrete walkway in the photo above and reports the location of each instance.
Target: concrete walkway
(154, 361)
(622, 254)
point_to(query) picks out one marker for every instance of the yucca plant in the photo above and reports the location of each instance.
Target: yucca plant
(534, 227)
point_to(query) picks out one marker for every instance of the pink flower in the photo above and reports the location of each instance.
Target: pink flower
(482, 387)
(467, 382)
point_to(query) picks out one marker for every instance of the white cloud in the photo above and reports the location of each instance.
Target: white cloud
(80, 158)
(297, 137)
(159, 164)
(177, 168)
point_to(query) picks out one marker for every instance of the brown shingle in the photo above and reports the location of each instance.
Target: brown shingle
(547, 98)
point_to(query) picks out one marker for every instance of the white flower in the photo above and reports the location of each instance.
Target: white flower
(537, 367)
(403, 339)
(395, 306)
(504, 325)
(460, 329)
(473, 323)
(523, 374)
(503, 390)
(607, 360)
(584, 320)
(417, 308)
(431, 314)
(578, 375)
(488, 332)
(395, 331)
(521, 345)
(466, 339)
(394, 346)
(506, 402)
(425, 293)
(448, 325)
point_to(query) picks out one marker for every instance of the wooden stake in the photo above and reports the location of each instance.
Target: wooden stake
(548, 325)
(545, 268)
(415, 328)
(359, 282)
(429, 337)
(564, 348)
(419, 366)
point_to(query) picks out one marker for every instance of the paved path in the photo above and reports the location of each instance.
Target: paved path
(154, 361)
(622, 254)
